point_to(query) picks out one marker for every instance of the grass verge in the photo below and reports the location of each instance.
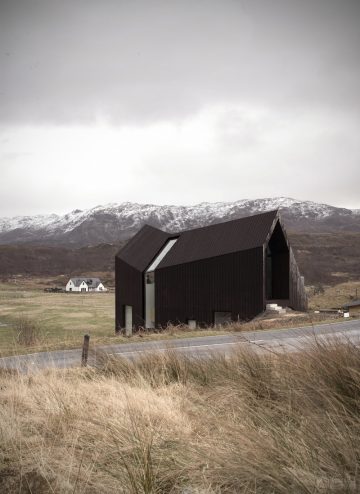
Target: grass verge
(65, 318)
(170, 423)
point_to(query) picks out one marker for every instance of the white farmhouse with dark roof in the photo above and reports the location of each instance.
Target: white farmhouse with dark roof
(85, 285)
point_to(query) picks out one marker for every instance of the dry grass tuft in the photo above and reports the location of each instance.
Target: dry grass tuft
(334, 296)
(27, 331)
(172, 423)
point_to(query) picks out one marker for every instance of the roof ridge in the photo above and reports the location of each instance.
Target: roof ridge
(276, 211)
(195, 243)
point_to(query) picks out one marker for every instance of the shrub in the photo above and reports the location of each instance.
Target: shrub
(28, 331)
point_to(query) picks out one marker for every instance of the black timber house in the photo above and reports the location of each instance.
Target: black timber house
(219, 273)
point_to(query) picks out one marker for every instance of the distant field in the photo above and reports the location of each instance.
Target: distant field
(334, 296)
(62, 319)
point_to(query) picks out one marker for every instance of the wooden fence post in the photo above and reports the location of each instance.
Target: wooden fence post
(85, 351)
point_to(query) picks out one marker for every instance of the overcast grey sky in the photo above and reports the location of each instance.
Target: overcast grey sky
(178, 102)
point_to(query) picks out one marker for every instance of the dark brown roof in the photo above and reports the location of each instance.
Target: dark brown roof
(200, 243)
(222, 238)
(143, 247)
(354, 303)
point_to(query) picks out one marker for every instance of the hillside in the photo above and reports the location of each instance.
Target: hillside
(29, 260)
(118, 222)
(326, 239)
(327, 258)
(323, 258)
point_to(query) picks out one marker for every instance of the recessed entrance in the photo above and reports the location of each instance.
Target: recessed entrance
(277, 262)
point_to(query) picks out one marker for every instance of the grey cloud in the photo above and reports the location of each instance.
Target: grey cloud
(73, 61)
(70, 63)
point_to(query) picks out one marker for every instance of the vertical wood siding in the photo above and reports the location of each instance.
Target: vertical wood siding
(128, 291)
(195, 289)
(229, 283)
(298, 298)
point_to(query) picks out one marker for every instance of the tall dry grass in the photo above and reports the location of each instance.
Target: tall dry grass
(27, 331)
(170, 423)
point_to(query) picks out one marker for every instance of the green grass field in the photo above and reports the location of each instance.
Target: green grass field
(63, 319)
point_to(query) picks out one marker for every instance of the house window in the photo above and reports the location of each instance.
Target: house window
(149, 281)
(83, 289)
(162, 254)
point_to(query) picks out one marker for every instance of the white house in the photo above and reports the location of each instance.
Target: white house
(85, 285)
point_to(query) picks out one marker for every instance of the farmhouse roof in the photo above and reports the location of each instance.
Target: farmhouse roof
(199, 243)
(354, 303)
(91, 282)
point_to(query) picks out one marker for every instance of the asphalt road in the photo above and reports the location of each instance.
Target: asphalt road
(272, 340)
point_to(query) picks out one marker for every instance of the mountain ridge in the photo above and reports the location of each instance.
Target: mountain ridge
(116, 222)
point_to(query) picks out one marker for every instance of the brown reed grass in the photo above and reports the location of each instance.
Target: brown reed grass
(172, 423)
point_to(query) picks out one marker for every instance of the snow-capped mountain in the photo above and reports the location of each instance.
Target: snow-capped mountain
(117, 222)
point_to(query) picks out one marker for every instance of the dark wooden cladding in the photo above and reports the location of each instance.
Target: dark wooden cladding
(130, 264)
(298, 298)
(143, 247)
(230, 283)
(233, 268)
(128, 291)
(220, 239)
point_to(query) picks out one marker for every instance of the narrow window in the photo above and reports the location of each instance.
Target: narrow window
(149, 280)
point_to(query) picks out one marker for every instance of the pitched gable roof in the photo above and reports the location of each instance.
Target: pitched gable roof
(220, 239)
(199, 243)
(91, 282)
(143, 247)
(353, 303)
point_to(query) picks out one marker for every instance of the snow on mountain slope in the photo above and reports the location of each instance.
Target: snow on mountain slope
(116, 222)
